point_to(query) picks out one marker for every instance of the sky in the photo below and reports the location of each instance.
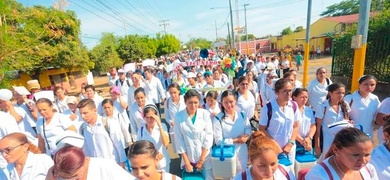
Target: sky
(185, 19)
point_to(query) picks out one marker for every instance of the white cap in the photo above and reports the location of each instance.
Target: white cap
(69, 137)
(121, 71)
(5, 94)
(161, 67)
(334, 128)
(263, 66)
(71, 100)
(191, 75)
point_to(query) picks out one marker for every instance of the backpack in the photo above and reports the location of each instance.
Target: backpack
(269, 111)
(284, 172)
(327, 81)
(127, 82)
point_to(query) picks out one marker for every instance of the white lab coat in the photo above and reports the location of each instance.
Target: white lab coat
(130, 95)
(317, 92)
(35, 168)
(226, 128)
(98, 142)
(154, 90)
(136, 119)
(247, 105)
(103, 169)
(318, 172)
(8, 125)
(156, 139)
(191, 138)
(363, 110)
(380, 159)
(170, 109)
(277, 174)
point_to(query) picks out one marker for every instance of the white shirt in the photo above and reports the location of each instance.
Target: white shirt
(78, 121)
(228, 129)
(58, 124)
(328, 117)
(30, 118)
(319, 173)
(98, 103)
(99, 142)
(363, 110)
(112, 79)
(136, 119)
(280, 126)
(306, 121)
(317, 92)
(156, 139)
(25, 126)
(285, 64)
(383, 108)
(61, 105)
(246, 104)
(154, 90)
(35, 168)
(123, 87)
(8, 125)
(130, 95)
(277, 174)
(104, 169)
(268, 93)
(168, 176)
(191, 138)
(170, 108)
(380, 159)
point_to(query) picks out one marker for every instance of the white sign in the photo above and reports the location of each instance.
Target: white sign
(129, 67)
(148, 62)
(44, 94)
(21, 90)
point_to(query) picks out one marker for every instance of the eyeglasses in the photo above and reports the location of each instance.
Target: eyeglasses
(287, 92)
(244, 84)
(9, 149)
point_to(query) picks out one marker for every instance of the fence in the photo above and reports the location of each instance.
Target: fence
(377, 57)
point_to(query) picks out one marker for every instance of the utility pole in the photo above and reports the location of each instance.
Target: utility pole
(246, 31)
(307, 42)
(165, 24)
(216, 31)
(230, 39)
(359, 59)
(238, 27)
(231, 24)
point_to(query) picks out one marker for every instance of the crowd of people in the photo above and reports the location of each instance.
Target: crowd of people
(263, 112)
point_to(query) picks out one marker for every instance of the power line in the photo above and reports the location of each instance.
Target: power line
(165, 24)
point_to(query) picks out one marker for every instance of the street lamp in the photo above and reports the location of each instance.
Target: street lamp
(246, 31)
(231, 21)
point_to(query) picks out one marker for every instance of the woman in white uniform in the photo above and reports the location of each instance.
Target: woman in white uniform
(136, 115)
(112, 114)
(280, 119)
(263, 156)
(364, 104)
(71, 163)
(233, 127)
(174, 103)
(382, 116)
(252, 84)
(317, 88)
(50, 125)
(155, 132)
(246, 99)
(194, 136)
(333, 110)
(144, 161)
(380, 156)
(24, 159)
(212, 105)
(348, 158)
(268, 92)
(307, 126)
(60, 100)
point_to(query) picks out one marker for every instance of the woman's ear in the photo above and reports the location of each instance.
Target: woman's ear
(334, 150)
(387, 136)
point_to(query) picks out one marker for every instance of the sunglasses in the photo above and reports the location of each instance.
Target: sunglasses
(9, 149)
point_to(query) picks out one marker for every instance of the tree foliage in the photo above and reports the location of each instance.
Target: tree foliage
(287, 31)
(34, 39)
(298, 29)
(199, 43)
(347, 7)
(104, 55)
(251, 37)
(167, 44)
(134, 47)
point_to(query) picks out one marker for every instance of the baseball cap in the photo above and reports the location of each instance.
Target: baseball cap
(5, 94)
(207, 73)
(71, 100)
(121, 71)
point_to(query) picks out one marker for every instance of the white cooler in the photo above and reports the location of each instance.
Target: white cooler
(304, 160)
(223, 161)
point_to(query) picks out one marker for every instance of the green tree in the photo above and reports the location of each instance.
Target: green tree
(167, 44)
(287, 31)
(104, 55)
(250, 37)
(134, 47)
(37, 38)
(347, 7)
(199, 43)
(298, 29)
